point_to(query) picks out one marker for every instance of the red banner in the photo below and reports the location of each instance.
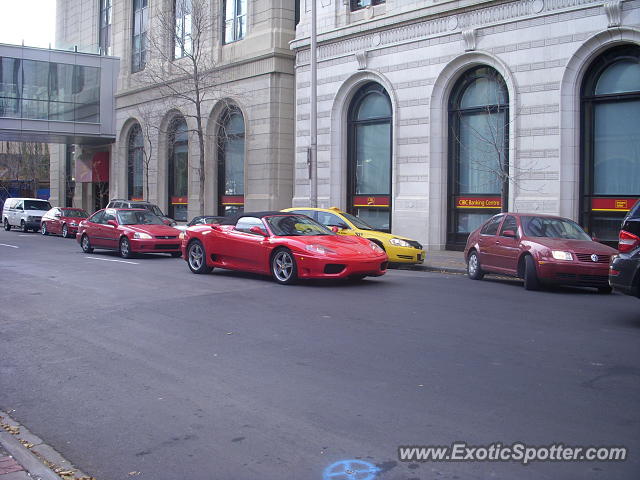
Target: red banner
(179, 200)
(612, 204)
(232, 199)
(371, 201)
(137, 199)
(478, 202)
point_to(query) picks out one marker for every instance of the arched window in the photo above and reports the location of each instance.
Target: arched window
(231, 163)
(135, 164)
(369, 158)
(610, 140)
(478, 151)
(178, 169)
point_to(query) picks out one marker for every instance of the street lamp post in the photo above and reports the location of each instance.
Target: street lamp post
(313, 150)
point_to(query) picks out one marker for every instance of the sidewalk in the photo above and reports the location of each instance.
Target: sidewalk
(24, 456)
(440, 261)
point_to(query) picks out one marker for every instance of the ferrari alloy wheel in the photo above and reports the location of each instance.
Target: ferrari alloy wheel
(7, 226)
(125, 248)
(531, 281)
(65, 231)
(196, 258)
(85, 244)
(473, 266)
(43, 228)
(283, 267)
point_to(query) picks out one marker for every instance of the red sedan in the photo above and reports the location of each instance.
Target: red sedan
(539, 249)
(284, 245)
(128, 231)
(62, 221)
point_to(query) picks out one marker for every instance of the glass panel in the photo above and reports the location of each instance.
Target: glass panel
(373, 157)
(616, 148)
(228, 31)
(234, 166)
(240, 27)
(620, 77)
(468, 222)
(481, 135)
(606, 228)
(483, 91)
(378, 218)
(235, 125)
(374, 105)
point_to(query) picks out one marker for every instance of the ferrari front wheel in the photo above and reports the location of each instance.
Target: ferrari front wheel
(196, 258)
(283, 267)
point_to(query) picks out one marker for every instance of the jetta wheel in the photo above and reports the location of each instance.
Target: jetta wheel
(43, 228)
(283, 267)
(125, 248)
(65, 231)
(85, 244)
(196, 258)
(531, 281)
(7, 226)
(473, 266)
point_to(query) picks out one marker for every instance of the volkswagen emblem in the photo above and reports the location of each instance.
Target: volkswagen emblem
(594, 257)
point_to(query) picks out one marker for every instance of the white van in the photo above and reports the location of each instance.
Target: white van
(25, 213)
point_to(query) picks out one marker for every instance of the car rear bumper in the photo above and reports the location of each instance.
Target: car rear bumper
(322, 267)
(626, 268)
(574, 273)
(155, 245)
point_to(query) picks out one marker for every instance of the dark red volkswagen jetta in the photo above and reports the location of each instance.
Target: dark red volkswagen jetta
(539, 249)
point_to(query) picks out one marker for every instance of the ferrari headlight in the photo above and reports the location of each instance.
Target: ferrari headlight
(561, 255)
(398, 242)
(375, 247)
(142, 236)
(321, 249)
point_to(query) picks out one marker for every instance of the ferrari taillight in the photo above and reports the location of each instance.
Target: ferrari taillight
(627, 241)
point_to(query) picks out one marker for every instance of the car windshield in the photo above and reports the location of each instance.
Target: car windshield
(361, 224)
(36, 205)
(138, 217)
(550, 227)
(74, 213)
(296, 226)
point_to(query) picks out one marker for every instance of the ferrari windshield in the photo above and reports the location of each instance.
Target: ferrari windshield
(74, 213)
(138, 217)
(359, 223)
(296, 226)
(550, 227)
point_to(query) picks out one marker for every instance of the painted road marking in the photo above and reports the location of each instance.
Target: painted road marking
(6, 245)
(112, 260)
(26, 235)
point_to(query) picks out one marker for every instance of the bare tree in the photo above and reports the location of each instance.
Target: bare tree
(182, 66)
(149, 129)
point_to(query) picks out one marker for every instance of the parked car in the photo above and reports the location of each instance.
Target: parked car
(24, 213)
(539, 249)
(399, 249)
(152, 207)
(286, 246)
(62, 221)
(128, 231)
(624, 272)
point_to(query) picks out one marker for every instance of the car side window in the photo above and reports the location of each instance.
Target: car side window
(97, 218)
(509, 224)
(108, 216)
(491, 227)
(245, 223)
(331, 220)
(19, 206)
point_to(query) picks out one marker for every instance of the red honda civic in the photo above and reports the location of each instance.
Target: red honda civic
(62, 221)
(128, 231)
(539, 249)
(284, 245)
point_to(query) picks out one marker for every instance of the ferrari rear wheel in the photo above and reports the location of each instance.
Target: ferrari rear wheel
(196, 258)
(283, 267)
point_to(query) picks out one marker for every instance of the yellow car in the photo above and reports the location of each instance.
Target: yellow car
(399, 249)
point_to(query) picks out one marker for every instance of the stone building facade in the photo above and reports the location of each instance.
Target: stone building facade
(156, 154)
(434, 115)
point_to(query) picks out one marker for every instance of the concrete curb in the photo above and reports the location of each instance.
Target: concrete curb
(24, 457)
(431, 268)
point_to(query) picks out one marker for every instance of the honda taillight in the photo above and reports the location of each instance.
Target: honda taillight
(627, 241)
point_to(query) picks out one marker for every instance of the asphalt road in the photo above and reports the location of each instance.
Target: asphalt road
(144, 367)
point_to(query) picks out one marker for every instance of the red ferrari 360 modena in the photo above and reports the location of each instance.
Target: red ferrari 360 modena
(284, 245)
(128, 231)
